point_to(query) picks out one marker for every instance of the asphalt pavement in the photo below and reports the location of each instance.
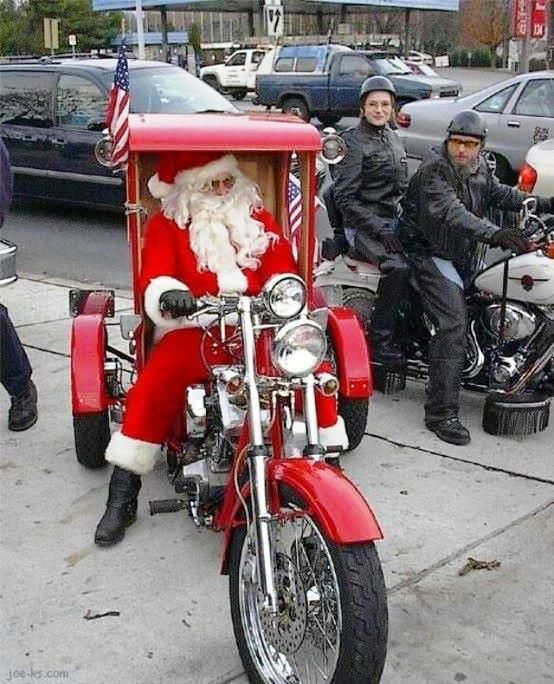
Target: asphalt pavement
(160, 608)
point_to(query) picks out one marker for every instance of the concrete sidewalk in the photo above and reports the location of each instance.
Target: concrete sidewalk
(438, 505)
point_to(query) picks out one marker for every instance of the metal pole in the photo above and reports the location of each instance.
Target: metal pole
(140, 30)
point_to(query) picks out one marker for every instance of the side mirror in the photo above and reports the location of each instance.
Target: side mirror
(128, 324)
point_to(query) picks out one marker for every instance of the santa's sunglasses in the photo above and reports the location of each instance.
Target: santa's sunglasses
(217, 184)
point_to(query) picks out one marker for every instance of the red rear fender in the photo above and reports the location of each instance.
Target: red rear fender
(352, 357)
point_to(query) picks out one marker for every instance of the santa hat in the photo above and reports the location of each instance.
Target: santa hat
(187, 169)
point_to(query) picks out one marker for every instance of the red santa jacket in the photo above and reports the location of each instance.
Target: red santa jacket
(170, 264)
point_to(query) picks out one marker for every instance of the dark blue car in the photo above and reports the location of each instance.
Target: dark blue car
(52, 113)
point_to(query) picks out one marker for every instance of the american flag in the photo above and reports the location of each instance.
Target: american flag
(117, 115)
(295, 212)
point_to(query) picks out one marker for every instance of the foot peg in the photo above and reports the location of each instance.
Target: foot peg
(167, 506)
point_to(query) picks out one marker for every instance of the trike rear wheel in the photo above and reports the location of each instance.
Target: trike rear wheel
(332, 615)
(92, 434)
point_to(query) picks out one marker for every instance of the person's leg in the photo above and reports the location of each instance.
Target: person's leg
(391, 292)
(15, 375)
(151, 407)
(444, 302)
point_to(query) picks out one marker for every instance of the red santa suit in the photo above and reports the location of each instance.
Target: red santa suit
(198, 251)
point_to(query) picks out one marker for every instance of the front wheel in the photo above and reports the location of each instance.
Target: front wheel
(332, 618)
(238, 94)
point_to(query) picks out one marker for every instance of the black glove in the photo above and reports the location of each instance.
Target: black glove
(391, 243)
(178, 303)
(509, 238)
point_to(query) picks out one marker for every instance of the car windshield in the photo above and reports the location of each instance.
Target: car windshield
(426, 70)
(172, 90)
(391, 66)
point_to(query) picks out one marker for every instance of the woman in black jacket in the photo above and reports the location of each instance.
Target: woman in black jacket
(368, 186)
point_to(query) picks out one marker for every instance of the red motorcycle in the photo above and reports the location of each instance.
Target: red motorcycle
(307, 595)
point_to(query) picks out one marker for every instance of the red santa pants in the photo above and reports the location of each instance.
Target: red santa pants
(174, 364)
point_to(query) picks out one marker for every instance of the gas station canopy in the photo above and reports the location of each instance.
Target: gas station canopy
(294, 6)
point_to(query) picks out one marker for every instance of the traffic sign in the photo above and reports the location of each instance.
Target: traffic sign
(275, 19)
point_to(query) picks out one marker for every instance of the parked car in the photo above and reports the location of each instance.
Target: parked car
(52, 113)
(421, 68)
(237, 76)
(411, 86)
(519, 112)
(420, 57)
(325, 80)
(537, 173)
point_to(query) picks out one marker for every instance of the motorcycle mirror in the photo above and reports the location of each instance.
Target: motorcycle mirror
(103, 150)
(128, 324)
(333, 148)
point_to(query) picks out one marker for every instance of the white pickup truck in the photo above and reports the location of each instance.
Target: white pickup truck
(237, 76)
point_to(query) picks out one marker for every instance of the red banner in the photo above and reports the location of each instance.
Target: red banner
(538, 19)
(520, 18)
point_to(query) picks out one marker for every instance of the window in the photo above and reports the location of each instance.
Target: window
(79, 103)
(238, 59)
(26, 98)
(305, 64)
(284, 64)
(494, 104)
(351, 65)
(257, 57)
(537, 98)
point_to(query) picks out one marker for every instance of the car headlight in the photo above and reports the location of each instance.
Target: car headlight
(298, 349)
(285, 295)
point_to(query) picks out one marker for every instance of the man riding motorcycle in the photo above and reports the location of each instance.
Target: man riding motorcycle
(212, 236)
(442, 219)
(368, 186)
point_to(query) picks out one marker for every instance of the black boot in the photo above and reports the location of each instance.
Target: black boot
(121, 507)
(23, 412)
(386, 348)
(450, 430)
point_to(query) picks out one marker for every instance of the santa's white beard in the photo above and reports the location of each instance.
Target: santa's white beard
(223, 234)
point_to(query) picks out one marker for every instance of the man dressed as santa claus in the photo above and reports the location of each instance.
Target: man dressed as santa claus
(212, 236)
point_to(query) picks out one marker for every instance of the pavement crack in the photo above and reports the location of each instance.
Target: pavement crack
(417, 577)
(494, 469)
(65, 355)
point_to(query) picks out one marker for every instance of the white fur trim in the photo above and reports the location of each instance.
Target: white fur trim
(132, 454)
(158, 188)
(232, 281)
(334, 435)
(156, 287)
(202, 174)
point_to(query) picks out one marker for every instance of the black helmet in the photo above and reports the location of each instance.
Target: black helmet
(469, 123)
(376, 83)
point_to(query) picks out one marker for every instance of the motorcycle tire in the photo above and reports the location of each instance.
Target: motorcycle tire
(362, 303)
(92, 434)
(354, 413)
(332, 606)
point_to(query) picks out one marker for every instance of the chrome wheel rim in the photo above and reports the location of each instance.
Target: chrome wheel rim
(301, 645)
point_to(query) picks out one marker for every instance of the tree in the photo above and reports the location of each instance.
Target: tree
(21, 25)
(485, 22)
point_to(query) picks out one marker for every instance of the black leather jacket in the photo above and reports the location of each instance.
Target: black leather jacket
(443, 214)
(370, 181)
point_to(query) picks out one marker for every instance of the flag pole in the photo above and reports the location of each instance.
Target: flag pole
(140, 30)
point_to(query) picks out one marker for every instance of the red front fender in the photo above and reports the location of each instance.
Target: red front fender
(329, 497)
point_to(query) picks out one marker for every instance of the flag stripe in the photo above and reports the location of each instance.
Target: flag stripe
(117, 113)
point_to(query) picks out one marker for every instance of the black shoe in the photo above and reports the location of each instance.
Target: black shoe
(450, 430)
(388, 354)
(23, 412)
(121, 507)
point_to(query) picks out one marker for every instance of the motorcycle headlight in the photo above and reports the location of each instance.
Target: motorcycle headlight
(285, 295)
(299, 347)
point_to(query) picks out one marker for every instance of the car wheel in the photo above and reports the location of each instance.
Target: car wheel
(239, 94)
(296, 105)
(329, 119)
